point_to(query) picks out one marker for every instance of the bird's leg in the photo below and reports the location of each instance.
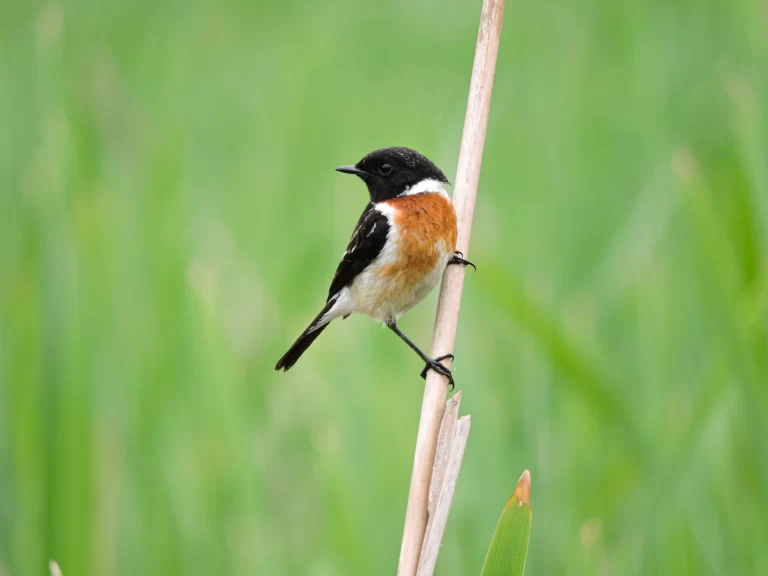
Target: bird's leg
(427, 367)
(458, 258)
(431, 363)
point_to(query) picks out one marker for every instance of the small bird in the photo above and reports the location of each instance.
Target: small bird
(399, 249)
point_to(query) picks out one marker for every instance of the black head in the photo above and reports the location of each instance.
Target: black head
(390, 172)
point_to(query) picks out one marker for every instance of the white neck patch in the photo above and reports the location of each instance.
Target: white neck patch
(426, 186)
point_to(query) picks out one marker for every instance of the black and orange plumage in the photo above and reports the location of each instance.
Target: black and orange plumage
(403, 241)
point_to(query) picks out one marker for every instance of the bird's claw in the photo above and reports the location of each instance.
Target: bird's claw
(434, 364)
(458, 258)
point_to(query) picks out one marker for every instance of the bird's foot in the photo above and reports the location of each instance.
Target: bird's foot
(434, 364)
(458, 258)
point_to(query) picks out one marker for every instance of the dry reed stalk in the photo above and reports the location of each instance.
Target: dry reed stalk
(467, 177)
(450, 453)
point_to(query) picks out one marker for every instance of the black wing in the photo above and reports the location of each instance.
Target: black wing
(367, 241)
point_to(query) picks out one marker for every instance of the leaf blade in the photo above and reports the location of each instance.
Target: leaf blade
(509, 547)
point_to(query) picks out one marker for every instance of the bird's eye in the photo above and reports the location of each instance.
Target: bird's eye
(385, 169)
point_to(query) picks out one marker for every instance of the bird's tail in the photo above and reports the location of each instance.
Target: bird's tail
(305, 340)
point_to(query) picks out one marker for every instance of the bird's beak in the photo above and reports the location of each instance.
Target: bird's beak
(351, 170)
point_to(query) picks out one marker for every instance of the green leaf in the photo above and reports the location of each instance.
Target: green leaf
(509, 546)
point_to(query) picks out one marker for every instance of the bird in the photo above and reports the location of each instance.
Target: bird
(402, 243)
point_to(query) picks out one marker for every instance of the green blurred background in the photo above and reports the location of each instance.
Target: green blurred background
(170, 221)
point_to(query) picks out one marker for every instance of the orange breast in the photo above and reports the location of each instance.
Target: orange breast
(426, 225)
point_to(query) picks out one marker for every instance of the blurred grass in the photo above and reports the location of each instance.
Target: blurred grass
(170, 219)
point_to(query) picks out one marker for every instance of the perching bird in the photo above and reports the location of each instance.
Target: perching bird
(401, 245)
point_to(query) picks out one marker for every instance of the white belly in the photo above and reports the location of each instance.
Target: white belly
(385, 297)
